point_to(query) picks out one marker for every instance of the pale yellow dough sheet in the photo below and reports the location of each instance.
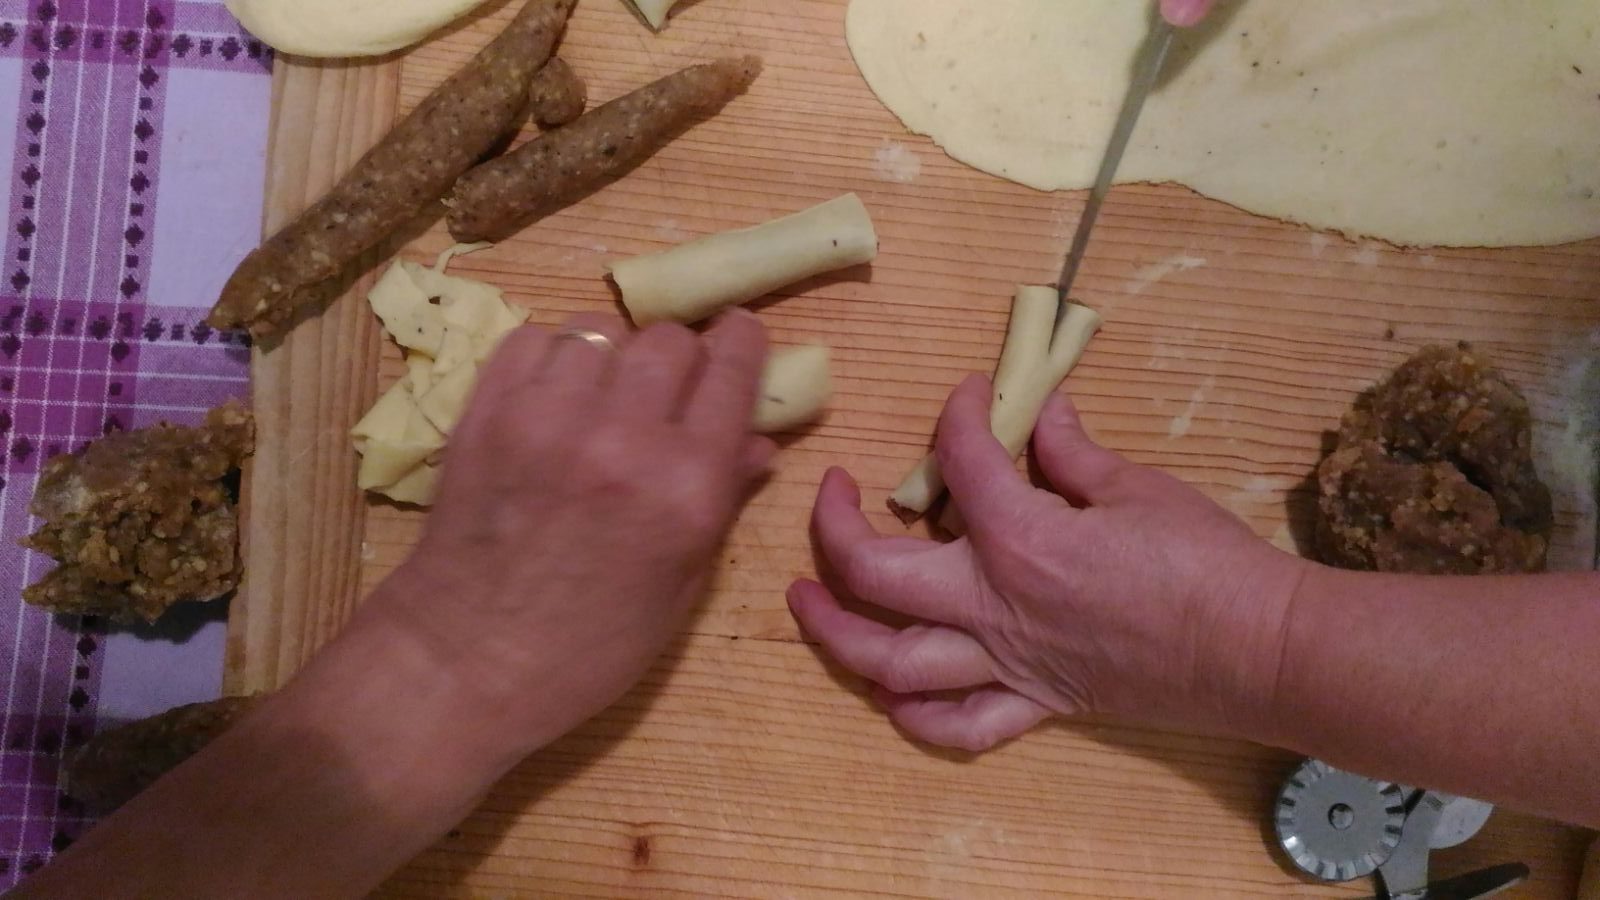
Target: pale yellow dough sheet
(341, 28)
(1420, 122)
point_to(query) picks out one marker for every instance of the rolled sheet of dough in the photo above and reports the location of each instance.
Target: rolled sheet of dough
(1420, 122)
(697, 280)
(338, 28)
(795, 388)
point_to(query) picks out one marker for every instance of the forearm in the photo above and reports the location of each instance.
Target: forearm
(363, 761)
(1485, 686)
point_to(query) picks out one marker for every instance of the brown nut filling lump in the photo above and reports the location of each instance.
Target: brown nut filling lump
(1433, 473)
(141, 520)
(116, 765)
(500, 197)
(414, 165)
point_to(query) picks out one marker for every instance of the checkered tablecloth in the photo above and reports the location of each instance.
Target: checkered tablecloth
(137, 136)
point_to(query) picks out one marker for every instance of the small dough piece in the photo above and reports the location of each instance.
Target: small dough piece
(654, 12)
(1037, 357)
(795, 388)
(446, 402)
(417, 489)
(386, 463)
(557, 95)
(343, 28)
(406, 312)
(419, 373)
(701, 278)
(387, 417)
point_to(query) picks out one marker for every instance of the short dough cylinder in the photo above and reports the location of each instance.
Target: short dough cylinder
(697, 280)
(795, 388)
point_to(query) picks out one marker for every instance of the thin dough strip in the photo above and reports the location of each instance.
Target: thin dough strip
(697, 280)
(1036, 359)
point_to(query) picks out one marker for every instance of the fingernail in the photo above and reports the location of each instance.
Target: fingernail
(1184, 13)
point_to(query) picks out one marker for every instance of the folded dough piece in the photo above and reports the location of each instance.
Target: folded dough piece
(697, 280)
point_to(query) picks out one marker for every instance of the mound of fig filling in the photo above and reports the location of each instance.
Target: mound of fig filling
(141, 520)
(1433, 473)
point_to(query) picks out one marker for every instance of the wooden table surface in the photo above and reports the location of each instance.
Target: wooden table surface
(745, 765)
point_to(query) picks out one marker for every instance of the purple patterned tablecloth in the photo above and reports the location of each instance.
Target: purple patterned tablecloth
(137, 131)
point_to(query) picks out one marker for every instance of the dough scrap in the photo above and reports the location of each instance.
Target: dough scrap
(448, 327)
(1406, 120)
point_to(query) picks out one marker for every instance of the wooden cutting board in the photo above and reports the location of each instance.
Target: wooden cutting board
(746, 765)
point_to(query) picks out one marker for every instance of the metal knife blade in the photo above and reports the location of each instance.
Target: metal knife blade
(1479, 884)
(1147, 71)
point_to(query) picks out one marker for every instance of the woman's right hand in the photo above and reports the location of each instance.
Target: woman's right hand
(586, 492)
(1125, 592)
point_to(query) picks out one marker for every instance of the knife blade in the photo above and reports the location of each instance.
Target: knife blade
(1147, 71)
(1474, 885)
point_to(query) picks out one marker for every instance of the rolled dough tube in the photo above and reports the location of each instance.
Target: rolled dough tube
(1036, 358)
(698, 279)
(1033, 317)
(795, 388)
(1019, 399)
(654, 12)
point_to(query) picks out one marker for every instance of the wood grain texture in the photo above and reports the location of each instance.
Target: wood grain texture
(303, 516)
(745, 766)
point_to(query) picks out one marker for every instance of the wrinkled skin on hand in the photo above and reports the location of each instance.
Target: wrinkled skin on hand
(1124, 592)
(584, 497)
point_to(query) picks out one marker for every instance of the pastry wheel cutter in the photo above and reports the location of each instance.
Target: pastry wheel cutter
(1336, 826)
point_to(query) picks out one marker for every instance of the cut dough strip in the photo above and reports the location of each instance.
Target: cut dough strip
(1036, 358)
(697, 280)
